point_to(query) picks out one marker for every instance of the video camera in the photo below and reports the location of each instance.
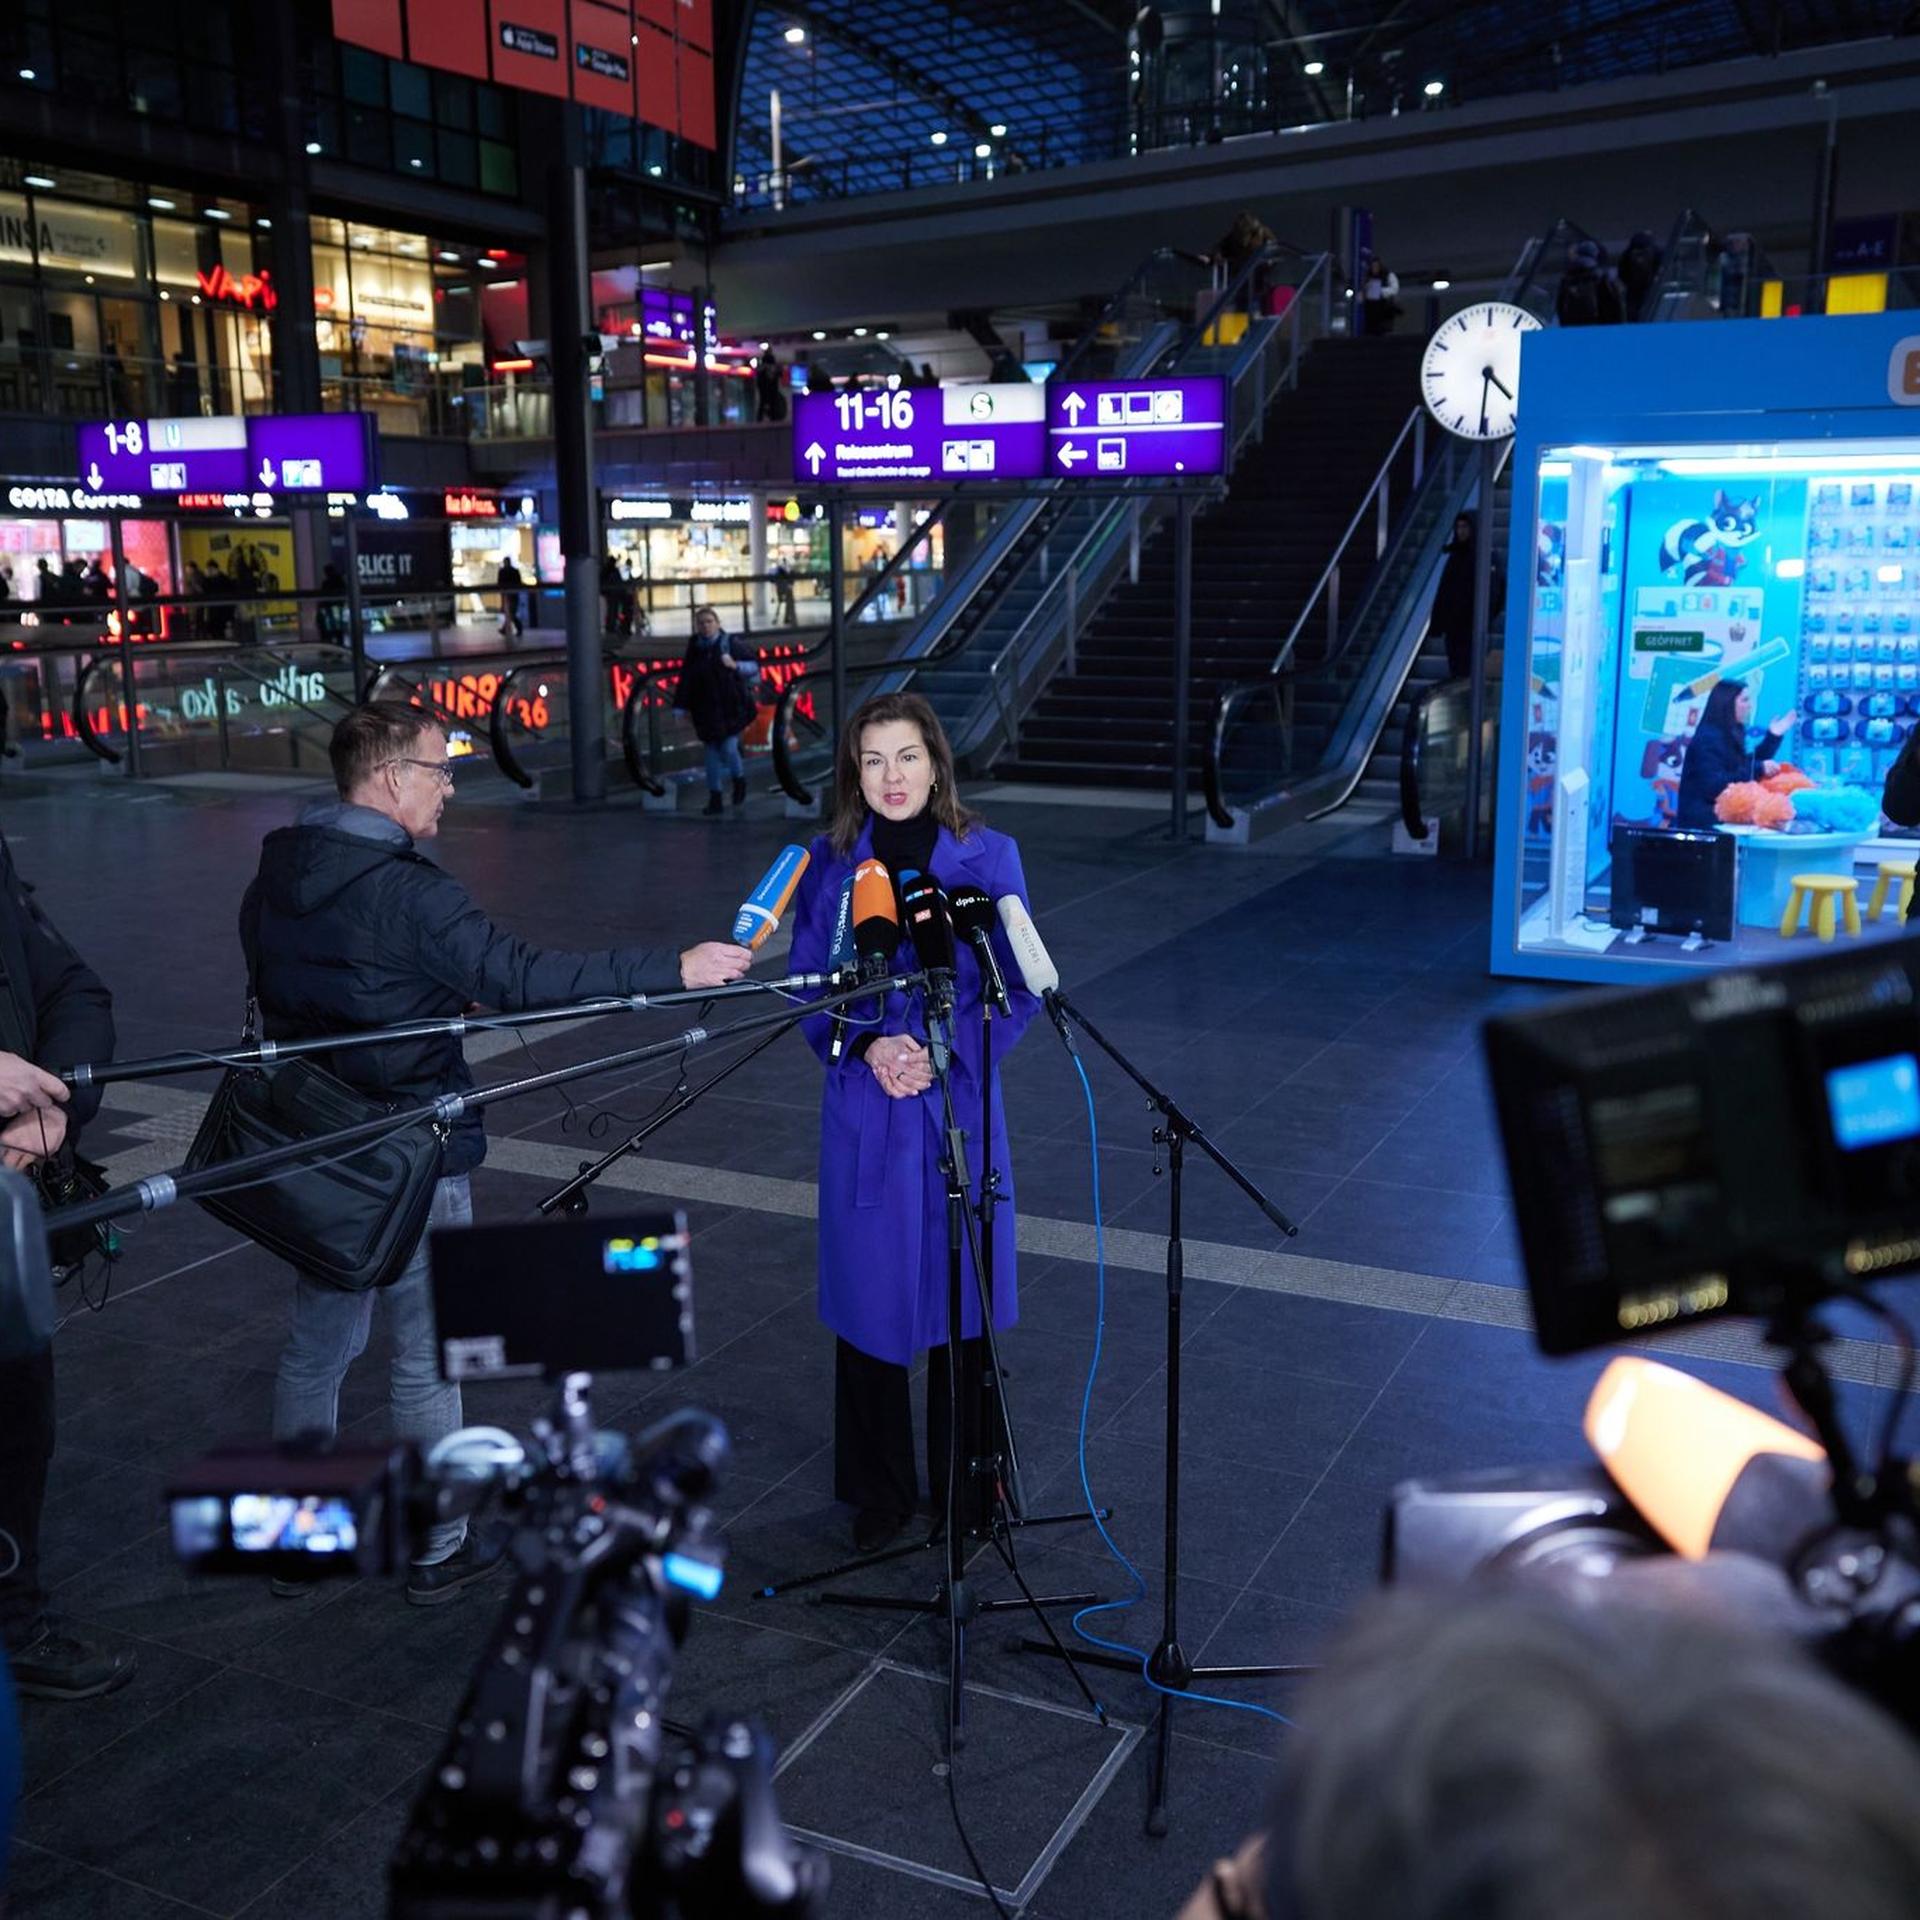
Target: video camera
(1745, 1143)
(563, 1789)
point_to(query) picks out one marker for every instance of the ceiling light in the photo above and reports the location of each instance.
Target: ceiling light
(218, 213)
(89, 279)
(795, 36)
(164, 294)
(1314, 69)
(196, 299)
(263, 221)
(860, 333)
(655, 266)
(1440, 286)
(883, 334)
(416, 161)
(313, 146)
(159, 205)
(998, 129)
(1435, 88)
(939, 139)
(445, 254)
(654, 170)
(40, 180)
(983, 151)
(27, 73)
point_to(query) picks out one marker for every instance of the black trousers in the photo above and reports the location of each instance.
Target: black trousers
(26, 1448)
(873, 1465)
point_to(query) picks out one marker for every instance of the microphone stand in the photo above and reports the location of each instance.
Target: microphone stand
(1168, 1665)
(956, 1600)
(163, 1189)
(269, 1052)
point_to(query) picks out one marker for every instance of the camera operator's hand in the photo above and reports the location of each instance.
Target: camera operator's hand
(24, 1086)
(34, 1135)
(714, 963)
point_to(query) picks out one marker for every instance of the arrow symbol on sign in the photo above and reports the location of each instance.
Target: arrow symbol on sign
(815, 454)
(95, 478)
(266, 473)
(1070, 453)
(1074, 404)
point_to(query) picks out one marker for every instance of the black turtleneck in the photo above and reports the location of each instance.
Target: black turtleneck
(905, 843)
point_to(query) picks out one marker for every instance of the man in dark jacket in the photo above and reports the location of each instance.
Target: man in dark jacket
(53, 1012)
(348, 926)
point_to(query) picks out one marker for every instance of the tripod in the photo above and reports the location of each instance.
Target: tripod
(982, 1460)
(1168, 1665)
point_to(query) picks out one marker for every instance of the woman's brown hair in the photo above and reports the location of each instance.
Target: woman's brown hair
(850, 804)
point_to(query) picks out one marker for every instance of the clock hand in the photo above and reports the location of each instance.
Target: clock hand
(1486, 380)
(1491, 375)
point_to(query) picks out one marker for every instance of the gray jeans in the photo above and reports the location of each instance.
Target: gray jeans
(328, 1333)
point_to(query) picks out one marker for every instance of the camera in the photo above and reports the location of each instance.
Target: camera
(563, 1789)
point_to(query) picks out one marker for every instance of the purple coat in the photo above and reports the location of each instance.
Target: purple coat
(883, 1232)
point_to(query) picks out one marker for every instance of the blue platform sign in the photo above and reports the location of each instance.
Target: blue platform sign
(225, 453)
(192, 454)
(1126, 429)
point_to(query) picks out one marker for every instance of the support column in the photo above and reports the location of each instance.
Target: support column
(1482, 609)
(836, 614)
(757, 556)
(1182, 657)
(569, 310)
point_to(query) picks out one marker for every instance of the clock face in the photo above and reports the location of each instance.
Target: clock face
(1470, 374)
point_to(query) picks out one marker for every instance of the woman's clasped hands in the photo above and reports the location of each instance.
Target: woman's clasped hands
(901, 1065)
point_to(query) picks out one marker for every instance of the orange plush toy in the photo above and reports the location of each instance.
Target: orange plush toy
(1750, 803)
(1786, 779)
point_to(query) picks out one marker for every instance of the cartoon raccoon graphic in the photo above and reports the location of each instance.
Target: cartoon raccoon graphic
(1689, 544)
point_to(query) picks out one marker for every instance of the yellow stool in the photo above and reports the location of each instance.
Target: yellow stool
(1822, 890)
(1900, 868)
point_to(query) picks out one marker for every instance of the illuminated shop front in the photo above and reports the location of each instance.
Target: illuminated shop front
(1717, 551)
(484, 528)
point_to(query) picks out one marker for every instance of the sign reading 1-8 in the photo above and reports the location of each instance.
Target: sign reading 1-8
(127, 437)
(891, 410)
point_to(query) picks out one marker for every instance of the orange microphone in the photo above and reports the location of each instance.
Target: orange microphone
(1707, 1471)
(876, 917)
(760, 912)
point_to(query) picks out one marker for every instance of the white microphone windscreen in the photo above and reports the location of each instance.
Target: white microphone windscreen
(1029, 950)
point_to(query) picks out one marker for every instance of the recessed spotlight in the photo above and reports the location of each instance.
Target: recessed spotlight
(263, 221)
(984, 151)
(655, 170)
(1314, 68)
(445, 254)
(218, 213)
(939, 139)
(1440, 286)
(795, 36)
(998, 129)
(27, 73)
(164, 294)
(158, 204)
(416, 161)
(859, 333)
(41, 181)
(1435, 88)
(313, 146)
(883, 334)
(196, 299)
(89, 279)
(819, 333)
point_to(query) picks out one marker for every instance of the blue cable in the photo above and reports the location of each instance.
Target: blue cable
(1093, 1508)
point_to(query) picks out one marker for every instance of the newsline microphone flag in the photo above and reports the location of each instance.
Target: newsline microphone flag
(842, 953)
(760, 912)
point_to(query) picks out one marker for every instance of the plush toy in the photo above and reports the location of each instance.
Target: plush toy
(1786, 779)
(1837, 810)
(1748, 804)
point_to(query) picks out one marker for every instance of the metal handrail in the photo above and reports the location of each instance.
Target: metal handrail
(1380, 486)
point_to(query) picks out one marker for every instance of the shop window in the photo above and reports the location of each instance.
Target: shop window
(412, 90)
(363, 77)
(490, 112)
(413, 148)
(368, 140)
(153, 85)
(499, 168)
(459, 160)
(213, 99)
(453, 101)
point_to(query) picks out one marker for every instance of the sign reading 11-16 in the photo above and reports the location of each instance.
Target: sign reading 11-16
(1114, 428)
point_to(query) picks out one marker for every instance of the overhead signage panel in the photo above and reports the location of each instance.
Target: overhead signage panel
(920, 433)
(313, 452)
(226, 454)
(1127, 429)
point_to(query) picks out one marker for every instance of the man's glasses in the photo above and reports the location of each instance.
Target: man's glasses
(438, 768)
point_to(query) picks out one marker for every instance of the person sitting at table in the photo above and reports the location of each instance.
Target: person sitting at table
(1718, 754)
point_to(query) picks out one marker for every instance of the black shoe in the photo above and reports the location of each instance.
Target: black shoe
(874, 1529)
(62, 1666)
(447, 1579)
(740, 793)
(715, 805)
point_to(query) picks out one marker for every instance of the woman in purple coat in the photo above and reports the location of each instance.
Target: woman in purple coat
(883, 1236)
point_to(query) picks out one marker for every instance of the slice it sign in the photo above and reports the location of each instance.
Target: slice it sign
(1903, 372)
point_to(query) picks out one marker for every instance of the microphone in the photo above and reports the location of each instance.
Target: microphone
(876, 920)
(840, 956)
(1038, 974)
(929, 921)
(760, 912)
(973, 918)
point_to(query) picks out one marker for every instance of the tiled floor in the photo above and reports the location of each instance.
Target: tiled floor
(1316, 1016)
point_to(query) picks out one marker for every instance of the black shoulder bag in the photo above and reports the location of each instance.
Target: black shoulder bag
(351, 1219)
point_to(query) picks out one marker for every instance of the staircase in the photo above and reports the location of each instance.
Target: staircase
(1256, 558)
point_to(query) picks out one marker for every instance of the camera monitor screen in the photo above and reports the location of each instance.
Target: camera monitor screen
(288, 1511)
(1745, 1143)
(598, 1294)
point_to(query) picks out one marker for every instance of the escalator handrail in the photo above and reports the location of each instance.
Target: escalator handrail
(1411, 750)
(631, 709)
(82, 723)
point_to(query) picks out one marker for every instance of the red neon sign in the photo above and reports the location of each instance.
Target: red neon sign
(464, 504)
(254, 291)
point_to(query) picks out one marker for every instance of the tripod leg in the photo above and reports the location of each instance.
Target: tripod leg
(1157, 1778)
(1059, 1645)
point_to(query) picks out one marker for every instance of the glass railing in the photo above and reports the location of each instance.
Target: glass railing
(97, 386)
